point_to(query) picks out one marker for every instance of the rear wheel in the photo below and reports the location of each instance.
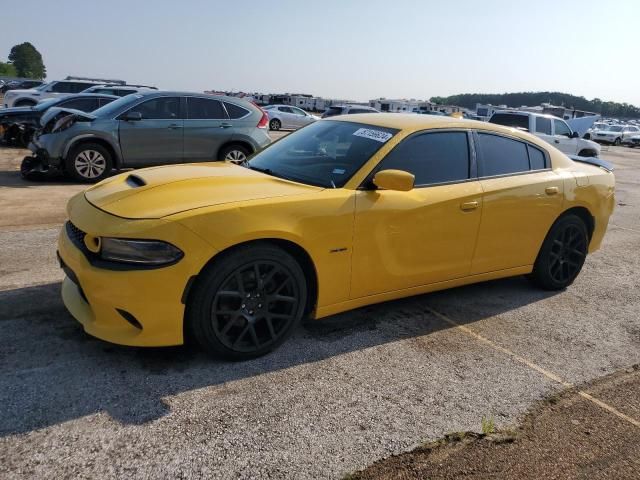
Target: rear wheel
(234, 154)
(247, 303)
(88, 163)
(275, 124)
(562, 255)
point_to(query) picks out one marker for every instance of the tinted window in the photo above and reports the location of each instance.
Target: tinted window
(297, 111)
(562, 128)
(285, 109)
(235, 111)
(359, 110)
(501, 156)
(203, 108)
(431, 157)
(159, 108)
(536, 158)
(61, 87)
(84, 104)
(324, 153)
(105, 101)
(543, 125)
(511, 120)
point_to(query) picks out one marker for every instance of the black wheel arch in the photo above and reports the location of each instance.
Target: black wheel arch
(296, 251)
(584, 214)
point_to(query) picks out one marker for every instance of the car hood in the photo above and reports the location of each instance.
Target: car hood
(21, 91)
(11, 112)
(161, 191)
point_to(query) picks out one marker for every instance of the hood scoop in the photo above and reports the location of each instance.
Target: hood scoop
(135, 181)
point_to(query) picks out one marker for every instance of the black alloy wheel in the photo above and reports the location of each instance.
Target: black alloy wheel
(562, 255)
(248, 303)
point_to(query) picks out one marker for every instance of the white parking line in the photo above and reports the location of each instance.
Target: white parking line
(533, 366)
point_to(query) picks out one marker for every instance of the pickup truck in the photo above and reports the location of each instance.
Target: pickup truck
(550, 129)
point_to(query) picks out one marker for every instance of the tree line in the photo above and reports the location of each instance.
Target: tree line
(513, 100)
(24, 61)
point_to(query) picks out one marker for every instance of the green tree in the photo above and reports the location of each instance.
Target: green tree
(27, 61)
(7, 70)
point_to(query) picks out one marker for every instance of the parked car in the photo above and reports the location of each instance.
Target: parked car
(145, 129)
(634, 141)
(58, 88)
(343, 213)
(335, 110)
(616, 134)
(18, 124)
(18, 84)
(118, 90)
(550, 129)
(286, 116)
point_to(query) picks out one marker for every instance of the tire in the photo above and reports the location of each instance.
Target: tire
(24, 103)
(617, 142)
(234, 153)
(226, 313)
(562, 254)
(26, 170)
(588, 153)
(88, 163)
(275, 124)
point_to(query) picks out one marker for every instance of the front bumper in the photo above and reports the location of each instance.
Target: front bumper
(123, 305)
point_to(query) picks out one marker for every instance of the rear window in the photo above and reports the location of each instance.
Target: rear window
(511, 120)
(235, 111)
(543, 125)
(537, 160)
(501, 156)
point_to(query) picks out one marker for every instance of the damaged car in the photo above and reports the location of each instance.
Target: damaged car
(18, 124)
(146, 129)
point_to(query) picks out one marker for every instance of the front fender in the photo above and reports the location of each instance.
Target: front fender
(113, 143)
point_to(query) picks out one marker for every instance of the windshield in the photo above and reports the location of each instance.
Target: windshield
(325, 153)
(114, 107)
(42, 87)
(615, 129)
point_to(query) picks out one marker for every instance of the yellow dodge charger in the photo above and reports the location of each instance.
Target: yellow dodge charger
(343, 213)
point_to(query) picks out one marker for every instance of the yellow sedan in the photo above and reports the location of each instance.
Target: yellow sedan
(343, 213)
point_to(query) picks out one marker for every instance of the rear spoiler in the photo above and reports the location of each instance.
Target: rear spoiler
(598, 162)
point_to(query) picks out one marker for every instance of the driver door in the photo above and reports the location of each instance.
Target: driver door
(562, 138)
(423, 236)
(156, 138)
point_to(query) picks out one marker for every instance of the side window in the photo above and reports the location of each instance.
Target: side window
(431, 157)
(297, 111)
(562, 128)
(83, 104)
(163, 108)
(78, 87)
(543, 125)
(61, 87)
(501, 155)
(358, 110)
(105, 101)
(203, 108)
(537, 160)
(284, 109)
(235, 111)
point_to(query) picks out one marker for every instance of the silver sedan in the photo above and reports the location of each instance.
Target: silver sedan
(286, 116)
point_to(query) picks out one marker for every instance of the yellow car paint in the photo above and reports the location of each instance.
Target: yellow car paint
(362, 243)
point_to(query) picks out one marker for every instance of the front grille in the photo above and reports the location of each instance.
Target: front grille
(76, 235)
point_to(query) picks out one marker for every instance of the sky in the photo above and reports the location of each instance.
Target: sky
(349, 49)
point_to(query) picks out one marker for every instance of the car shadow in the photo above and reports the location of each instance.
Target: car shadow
(52, 372)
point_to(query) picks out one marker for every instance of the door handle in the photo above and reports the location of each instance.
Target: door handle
(174, 126)
(468, 206)
(551, 190)
(225, 125)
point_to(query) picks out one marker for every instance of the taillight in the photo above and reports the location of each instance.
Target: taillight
(264, 121)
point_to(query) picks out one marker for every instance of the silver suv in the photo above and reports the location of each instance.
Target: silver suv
(59, 88)
(146, 129)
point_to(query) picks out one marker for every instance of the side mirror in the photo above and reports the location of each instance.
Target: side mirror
(575, 135)
(394, 180)
(133, 116)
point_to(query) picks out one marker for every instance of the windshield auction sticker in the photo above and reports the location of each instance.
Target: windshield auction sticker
(377, 135)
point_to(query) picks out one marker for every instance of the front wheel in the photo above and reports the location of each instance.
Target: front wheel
(247, 303)
(88, 163)
(562, 255)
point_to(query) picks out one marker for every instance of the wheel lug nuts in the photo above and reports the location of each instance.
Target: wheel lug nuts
(243, 305)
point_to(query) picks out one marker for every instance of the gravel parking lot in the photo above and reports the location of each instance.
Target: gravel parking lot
(341, 394)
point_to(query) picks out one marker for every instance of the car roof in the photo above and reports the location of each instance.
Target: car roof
(528, 114)
(88, 94)
(169, 93)
(411, 122)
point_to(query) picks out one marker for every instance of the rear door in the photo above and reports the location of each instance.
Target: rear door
(521, 199)
(155, 139)
(206, 129)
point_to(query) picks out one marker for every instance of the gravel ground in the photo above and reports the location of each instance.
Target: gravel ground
(341, 394)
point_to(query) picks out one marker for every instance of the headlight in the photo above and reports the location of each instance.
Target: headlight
(141, 252)
(64, 123)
